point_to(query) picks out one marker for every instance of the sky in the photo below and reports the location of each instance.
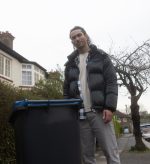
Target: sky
(41, 29)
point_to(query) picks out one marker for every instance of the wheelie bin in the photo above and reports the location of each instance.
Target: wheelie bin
(47, 131)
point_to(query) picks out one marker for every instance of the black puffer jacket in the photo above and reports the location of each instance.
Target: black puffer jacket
(101, 78)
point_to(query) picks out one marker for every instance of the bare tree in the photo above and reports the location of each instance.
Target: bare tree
(133, 71)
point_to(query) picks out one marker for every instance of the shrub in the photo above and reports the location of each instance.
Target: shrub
(7, 146)
(8, 95)
(50, 88)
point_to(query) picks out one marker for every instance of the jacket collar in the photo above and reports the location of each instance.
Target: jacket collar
(75, 53)
(72, 57)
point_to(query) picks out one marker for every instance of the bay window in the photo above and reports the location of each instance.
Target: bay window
(26, 74)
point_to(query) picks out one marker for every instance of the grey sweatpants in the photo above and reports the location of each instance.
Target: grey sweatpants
(94, 127)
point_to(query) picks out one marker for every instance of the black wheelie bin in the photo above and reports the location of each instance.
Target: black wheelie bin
(47, 131)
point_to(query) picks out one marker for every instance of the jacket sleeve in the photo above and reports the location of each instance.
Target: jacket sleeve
(111, 87)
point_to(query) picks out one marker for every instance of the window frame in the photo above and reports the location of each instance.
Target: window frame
(27, 77)
(5, 66)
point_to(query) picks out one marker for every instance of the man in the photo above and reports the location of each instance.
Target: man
(90, 75)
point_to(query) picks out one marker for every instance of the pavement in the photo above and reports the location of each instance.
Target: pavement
(126, 156)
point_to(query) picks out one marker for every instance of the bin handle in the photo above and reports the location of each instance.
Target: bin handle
(21, 105)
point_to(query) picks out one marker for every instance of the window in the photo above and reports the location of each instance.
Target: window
(5, 66)
(38, 74)
(31, 74)
(36, 69)
(1, 65)
(26, 78)
(26, 74)
(36, 77)
(26, 66)
(42, 72)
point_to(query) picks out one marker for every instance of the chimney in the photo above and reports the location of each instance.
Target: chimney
(7, 39)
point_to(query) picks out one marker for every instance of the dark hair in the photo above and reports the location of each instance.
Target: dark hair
(83, 31)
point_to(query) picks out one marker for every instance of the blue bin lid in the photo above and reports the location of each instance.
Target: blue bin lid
(24, 104)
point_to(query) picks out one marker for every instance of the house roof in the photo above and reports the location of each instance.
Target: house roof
(17, 56)
(35, 63)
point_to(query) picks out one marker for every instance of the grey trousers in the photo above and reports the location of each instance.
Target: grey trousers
(94, 127)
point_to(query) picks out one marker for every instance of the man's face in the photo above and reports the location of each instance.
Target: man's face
(79, 39)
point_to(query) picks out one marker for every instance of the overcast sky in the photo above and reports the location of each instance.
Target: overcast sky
(41, 28)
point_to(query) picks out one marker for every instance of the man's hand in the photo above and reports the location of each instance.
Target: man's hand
(107, 115)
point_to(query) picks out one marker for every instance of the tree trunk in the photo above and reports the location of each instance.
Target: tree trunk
(139, 145)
